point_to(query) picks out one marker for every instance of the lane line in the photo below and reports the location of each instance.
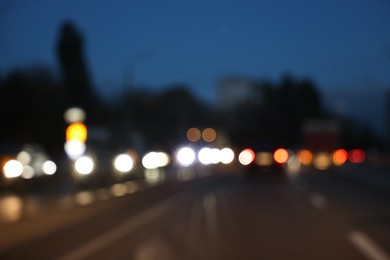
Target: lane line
(366, 246)
(126, 228)
(193, 228)
(211, 222)
(318, 201)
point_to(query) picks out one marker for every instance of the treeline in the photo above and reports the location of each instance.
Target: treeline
(33, 100)
(32, 103)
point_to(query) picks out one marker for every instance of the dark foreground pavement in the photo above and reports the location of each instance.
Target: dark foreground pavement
(312, 215)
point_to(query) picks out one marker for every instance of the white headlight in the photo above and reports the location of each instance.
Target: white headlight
(84, 165)
(186, 156)
(74, 149)
(123, 163)
(49, 167)
(154, 160)
(204, 156)
(227, 155)
(13, 169)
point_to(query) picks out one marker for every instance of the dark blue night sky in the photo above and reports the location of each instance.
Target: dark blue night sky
(343, 46)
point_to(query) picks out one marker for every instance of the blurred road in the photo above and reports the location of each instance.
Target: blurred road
(311, 215)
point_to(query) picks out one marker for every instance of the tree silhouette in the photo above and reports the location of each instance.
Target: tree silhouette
(75, 73)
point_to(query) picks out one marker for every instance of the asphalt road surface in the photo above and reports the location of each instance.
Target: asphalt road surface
(343, 214)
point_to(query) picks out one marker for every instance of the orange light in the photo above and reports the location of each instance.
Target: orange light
(76, 131)
(357, 156)
(193, 134)
(339, 157)
(246, 157)
(4, 159)
(305, 157)
(209, 135)
(281, 155)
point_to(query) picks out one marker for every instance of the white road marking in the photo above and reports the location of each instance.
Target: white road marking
(116, 233)
(211, 222)
(318, 201)
(366, 246)
(194, 223)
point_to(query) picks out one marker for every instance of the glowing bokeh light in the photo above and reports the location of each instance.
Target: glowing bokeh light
(264, 159)
(74, 115)
(193, 134)
(226, 155)
(165, 159)
(209, 135)
(357, 156)
(204, 156)
(281, 156)
(84, 197)
(246, 157)
(154, 160)
(118, 190)
(305, 157)
(322, 161)
(12, 208)
(84, 165)
(13, 169)
(291, 156)
(153, 176)
(150, 160)
(28, 172)
(4, 159)
(123, 163)
(186, 174)
(186, 156)
(215, 156)
(76, 131)
(49, 167)
(24, 157)
(74, 149)
(339, 157)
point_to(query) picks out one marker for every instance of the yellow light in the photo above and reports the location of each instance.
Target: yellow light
(322, 161)
(193, 134)
(76, 131)
(264, 159)
(209, 135)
